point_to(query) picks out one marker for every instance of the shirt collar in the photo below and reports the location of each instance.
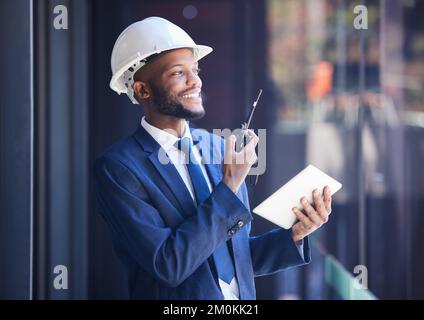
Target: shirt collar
(165, 139)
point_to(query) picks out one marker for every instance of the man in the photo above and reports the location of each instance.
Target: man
(181, 229)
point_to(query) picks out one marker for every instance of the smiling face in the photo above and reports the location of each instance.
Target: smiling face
(171, 85)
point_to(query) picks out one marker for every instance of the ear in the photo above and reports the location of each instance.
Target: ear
(142, 89)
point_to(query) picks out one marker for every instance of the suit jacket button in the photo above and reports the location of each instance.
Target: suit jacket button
(240, 223)
(231, 232)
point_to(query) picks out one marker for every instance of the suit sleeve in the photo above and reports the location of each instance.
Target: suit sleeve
(275, 251)
(170, 255)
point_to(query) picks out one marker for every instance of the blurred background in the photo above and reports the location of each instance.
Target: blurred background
(345, 100)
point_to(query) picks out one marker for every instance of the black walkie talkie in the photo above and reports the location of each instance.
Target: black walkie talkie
(242, 135)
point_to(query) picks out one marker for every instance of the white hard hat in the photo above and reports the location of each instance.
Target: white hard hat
(142, 39)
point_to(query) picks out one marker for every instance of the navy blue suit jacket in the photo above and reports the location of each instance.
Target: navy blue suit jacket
(165, 242)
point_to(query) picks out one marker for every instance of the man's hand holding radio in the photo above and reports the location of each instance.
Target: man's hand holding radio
(236, 165)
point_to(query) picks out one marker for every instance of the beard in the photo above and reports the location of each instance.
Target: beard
(169, 105)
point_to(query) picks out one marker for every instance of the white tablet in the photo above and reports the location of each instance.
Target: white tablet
(278, 207)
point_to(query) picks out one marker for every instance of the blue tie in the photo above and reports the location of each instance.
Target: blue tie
(221, 255)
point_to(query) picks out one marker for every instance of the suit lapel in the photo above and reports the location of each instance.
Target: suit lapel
(177, 186)
(168, 172)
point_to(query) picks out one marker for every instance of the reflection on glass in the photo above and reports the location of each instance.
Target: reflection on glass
(315, 59)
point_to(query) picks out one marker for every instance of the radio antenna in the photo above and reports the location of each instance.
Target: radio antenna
(253, 109)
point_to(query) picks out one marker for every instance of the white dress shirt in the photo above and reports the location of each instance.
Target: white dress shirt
(167, 141)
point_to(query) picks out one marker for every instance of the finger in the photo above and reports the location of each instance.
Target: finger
(252, 158)
(230, 143)
(327, 198)
(307, 206)
(250, 149)
(302, 218)
(310, 211)
(253, 140)
(248, 154)
(319, 205)
(251, 133)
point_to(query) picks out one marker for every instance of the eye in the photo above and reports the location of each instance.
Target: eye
(176, 73)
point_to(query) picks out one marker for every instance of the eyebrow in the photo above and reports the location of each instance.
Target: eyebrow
(176, 65)
(180, 65)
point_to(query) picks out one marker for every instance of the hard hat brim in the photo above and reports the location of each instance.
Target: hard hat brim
(200, 51)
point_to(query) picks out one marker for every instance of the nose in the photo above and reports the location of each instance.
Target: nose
(193, 80)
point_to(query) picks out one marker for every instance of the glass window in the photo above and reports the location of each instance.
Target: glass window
(351, 102)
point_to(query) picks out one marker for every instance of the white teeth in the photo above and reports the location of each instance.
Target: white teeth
(191, 95)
